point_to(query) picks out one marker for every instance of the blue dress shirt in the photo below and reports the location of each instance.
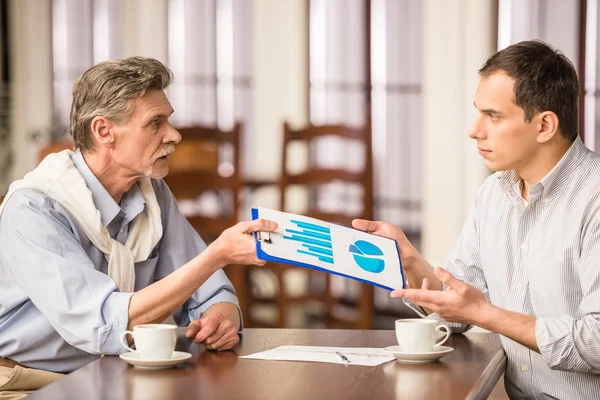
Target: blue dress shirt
(59, 310)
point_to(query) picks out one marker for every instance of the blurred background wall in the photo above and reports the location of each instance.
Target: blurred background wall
(407, 67)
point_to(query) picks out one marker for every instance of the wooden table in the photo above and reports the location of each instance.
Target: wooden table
(471, 372)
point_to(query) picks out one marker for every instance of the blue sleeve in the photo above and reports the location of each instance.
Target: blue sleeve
(48, 263)
(181, 243)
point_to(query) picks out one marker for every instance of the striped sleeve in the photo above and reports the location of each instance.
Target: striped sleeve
(464, 262)
(572, 344)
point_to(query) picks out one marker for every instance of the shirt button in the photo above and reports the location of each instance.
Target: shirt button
(122, 230)
(524, 246)
(519, 286)
(524, 368)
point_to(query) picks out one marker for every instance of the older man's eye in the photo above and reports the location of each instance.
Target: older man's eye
(155, 123)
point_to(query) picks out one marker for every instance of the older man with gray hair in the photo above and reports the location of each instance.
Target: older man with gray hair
(93, 242)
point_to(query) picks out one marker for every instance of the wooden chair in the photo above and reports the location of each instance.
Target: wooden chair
(312, 179)
(197, 168)
(55, 146)
(194, 171)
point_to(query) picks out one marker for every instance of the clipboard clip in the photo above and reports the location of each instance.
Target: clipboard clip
(267, 239)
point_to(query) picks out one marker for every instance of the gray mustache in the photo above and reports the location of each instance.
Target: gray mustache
(165, 151)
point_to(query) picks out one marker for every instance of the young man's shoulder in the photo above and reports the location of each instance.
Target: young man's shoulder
(491, 183)
(592, 164)
(585, 178)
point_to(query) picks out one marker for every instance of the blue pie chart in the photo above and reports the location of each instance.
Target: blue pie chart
(367, 256)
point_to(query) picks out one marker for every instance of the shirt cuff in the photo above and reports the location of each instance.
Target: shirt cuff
(554, 337)
(224, 296)
(454, 327)
(116, 314)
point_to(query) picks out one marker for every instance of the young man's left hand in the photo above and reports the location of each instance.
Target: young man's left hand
(215, 331)
(461, 302)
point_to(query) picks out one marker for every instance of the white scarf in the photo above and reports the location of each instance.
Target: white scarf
(57, 177)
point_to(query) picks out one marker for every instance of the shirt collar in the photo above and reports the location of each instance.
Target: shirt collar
(554, 180)
(132, 202)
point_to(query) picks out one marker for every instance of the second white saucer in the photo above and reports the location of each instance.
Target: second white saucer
(176, 358)
(417, 358)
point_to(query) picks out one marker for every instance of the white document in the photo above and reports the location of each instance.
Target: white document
(312, 243)
(354, 355)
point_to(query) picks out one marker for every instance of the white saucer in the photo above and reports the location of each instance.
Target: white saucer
(418, 358)
(176, 358)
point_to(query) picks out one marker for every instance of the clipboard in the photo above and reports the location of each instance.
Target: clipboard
(335, 249)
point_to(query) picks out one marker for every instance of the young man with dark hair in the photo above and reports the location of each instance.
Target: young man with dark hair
(526, 264)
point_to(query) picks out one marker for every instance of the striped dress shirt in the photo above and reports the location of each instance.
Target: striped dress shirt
(541, 259)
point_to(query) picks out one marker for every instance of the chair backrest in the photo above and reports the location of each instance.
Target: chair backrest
(199, 168)
(206, 166)
(315, 176)
(55, 147)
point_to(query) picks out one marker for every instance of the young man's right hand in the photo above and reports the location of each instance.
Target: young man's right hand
(409, 255)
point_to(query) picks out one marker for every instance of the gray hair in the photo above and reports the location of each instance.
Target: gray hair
(108, 88)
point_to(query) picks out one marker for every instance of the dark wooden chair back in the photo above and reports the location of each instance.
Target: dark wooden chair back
(54, 147)
(199, 167)
(313, 179)
(315, 176)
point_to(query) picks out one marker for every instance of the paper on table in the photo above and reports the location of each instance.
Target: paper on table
(356, 355)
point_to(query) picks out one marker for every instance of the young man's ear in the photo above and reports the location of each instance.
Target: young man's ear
(548, 126)
(100, 127)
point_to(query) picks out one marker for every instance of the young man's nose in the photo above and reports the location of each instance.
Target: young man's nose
(475, 130)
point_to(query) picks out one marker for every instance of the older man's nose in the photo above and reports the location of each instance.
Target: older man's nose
(174, 136)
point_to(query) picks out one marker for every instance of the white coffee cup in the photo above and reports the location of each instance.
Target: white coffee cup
(417, 335)
(152, 341)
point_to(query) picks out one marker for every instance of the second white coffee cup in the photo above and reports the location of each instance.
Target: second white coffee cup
(417, 335)
(152, 341)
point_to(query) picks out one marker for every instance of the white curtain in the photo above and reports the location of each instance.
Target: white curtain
(84, 33)
(73, 53)
(192, 57)
(338, 95)
(592, 77)
(557, 22)
(396, 64)
(396, 74)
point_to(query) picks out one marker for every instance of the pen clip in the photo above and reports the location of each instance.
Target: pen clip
(266, 240)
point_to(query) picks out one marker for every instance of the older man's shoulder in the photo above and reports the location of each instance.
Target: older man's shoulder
(28, 198)
(27, 207)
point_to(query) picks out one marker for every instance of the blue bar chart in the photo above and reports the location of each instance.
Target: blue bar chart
(314, 240)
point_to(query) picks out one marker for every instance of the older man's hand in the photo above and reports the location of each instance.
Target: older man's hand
(215, 331)
(236, 245)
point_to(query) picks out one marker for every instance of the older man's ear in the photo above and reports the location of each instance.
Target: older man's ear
(101, 130)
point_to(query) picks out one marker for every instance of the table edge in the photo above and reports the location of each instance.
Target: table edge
(489, 377)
